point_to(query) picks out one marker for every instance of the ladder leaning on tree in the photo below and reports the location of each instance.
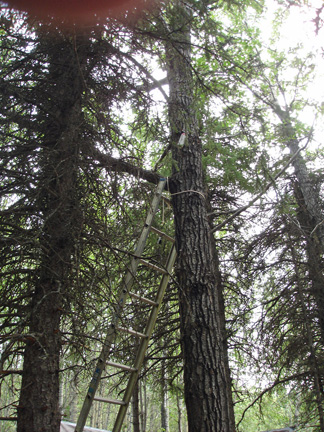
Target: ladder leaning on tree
(115, 329)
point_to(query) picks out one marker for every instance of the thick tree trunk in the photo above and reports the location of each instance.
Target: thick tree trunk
(207, 396)
(57, 202)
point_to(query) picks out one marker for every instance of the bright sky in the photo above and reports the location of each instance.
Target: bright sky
(299, 30)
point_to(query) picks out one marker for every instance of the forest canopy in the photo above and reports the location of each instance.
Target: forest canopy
(223, 100)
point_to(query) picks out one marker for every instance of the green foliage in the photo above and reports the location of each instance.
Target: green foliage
(274, 411)
(243, 146)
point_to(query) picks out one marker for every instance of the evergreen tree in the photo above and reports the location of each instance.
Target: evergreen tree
(78, 123)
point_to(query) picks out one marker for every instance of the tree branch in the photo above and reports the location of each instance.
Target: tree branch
(156, 83)
(263, 191)
(122, 166)
(268, 389)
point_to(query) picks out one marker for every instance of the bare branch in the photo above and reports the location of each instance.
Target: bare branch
(268, 389)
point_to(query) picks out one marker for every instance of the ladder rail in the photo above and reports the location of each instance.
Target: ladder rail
(122, 298)
(144, 342)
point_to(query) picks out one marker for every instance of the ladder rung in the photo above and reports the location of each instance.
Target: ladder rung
(125, 289)
(162, 234)
(109, 400)
(144, 299)
(121, 366)
(132, 332)
(152, 266)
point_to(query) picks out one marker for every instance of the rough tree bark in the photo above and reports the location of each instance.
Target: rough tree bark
(207, 396)
(207, 392)
(58, 206)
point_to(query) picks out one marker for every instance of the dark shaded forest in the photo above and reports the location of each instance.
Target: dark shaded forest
(92, 117)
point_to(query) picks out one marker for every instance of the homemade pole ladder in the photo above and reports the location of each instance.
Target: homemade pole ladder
(125, 295)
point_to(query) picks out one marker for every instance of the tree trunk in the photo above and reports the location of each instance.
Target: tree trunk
(164, 399)
(314, 256)
(58, 204)
(208, 400)
(318, 386)
(143, 404)
(136, 409)
(310, 195)
(179, 412)
(310, 213)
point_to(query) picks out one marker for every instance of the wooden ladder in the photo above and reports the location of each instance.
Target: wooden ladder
(125, 294)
